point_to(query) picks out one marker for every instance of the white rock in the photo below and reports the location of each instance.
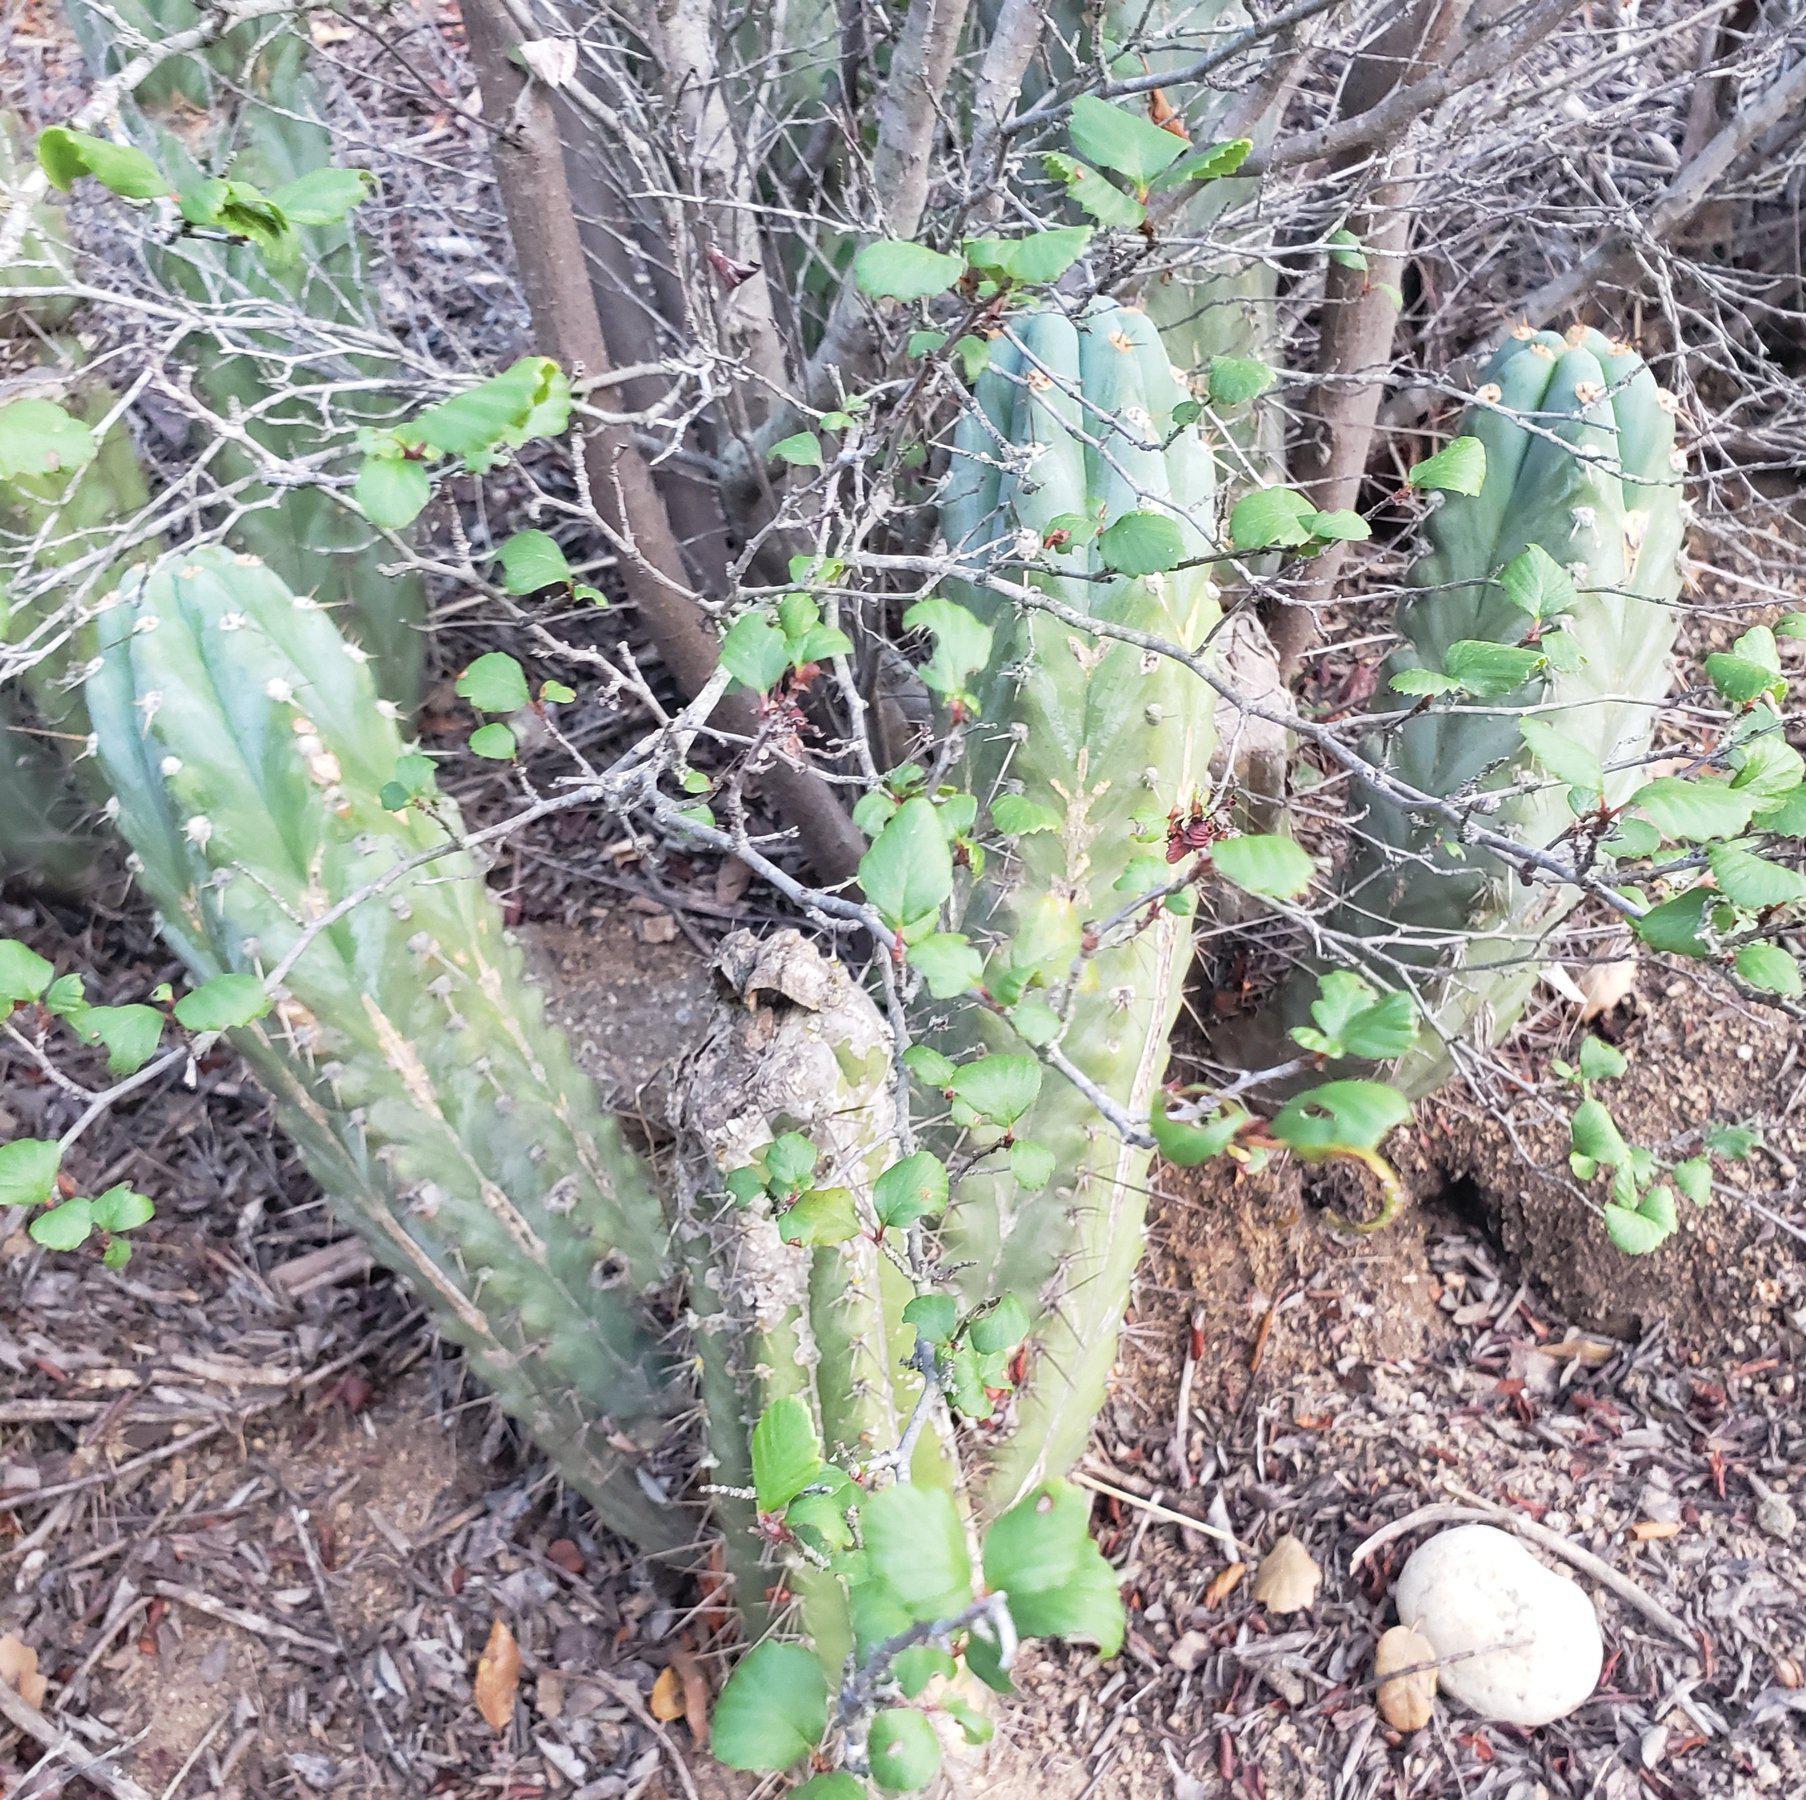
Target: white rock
(1477, 1589)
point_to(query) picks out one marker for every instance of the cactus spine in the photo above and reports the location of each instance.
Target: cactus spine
(246, 748)
(1073, 420)
(1580, 462)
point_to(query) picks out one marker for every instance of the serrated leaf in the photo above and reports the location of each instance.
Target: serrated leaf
(916, 1546)
(1031, 1164)
(1210, 164)
(1742, 681)
(1040, 1556)
(914, 1188)
(1420, 682)
(1770, 968)
(1270, 518)
(773, 1710)
(949, 962)
(392, 490)
(908, 871)
(1678, 926)
(532, 560)
(323, 196)
(1694, 1178)
(121, 1208)
(1275, 867)
(1016, 815)
(1339, 527)
(1459, 467)
(1600, 1061)
(962, 643)
(1127, 143)
(1340, 1117)
(997, 1088)
(935, 1316)
(1562, 754)
(1753, 881)
(494, 683)
(1186, 1145)
(755, 652)
(894, 269)
(786, 1453)
(223, 1004)
(1696, 811)
(1490, 671)
(1099, 196)
(65, 155)
(38, 437)
(820, 1216)
(802, 450)
(1536, 583)
(28, 1168)
(1142, 543)
(1041, 257)
(24, 974)
(495, 743)
(130, 1033)
(1235, 379)
(1000, 1328)
(1635, 1233)
(65, 1227)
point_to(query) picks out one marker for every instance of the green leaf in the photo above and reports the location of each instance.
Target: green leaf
(37, 437)
(1564, 756)
(786, 1453)
(495, 743)
(1768, 767)
(1734, 1141)
(1210, 164)
(1351, 1019)
(999, 1330)
(1235, 379)
(893, 269)
(28, 1169)
(962, 643)
(903, 1751)
(1694, 1178)
(908, 871)
(494, 683)
(1490, 671)
(1142, 543)
(1185, 1145)
(935, 1316)
(820, 1216)
(1128, 143)
(755, 652)
(1459, 467)
(1275, 867)
(122, 1209)
(915, 1188)
(532, 560)
(802, 450)
(1031, 1164)
(1100, 197)
(1270, 518)
(1600, 1061)
(836, 1785)
(529, 399)
(1042, 257)
(773, 1710)
(223, 1004)
(1339, 527)
(66, 155)
(916, 1546)
(998, 1088)
(1637, 1231)
(949, 962)
(130, 1033)
(392, 490)
(1423, 681)
(324, 196)
(1340, 1117)
(1537, 584)
(1678, 926)
(1742, 681)
(1770, 968)
(24, 974)
(66, 995)
(65, 1227)
(1694, 812)
(1040, 1555)
(1753, 881)
(1596, 1135)
(1345, 250)
(1015, 815)
(790, 1160)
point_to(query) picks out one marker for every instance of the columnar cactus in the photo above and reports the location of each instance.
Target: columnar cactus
(791, 1295)
(247, 750)
(1581, 466)
(1073, 430)
(256, 89)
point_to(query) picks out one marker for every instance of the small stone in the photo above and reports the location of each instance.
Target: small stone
(1188, 1651)
(1288, 1578)
(1517, 1641)
(1405, 1699)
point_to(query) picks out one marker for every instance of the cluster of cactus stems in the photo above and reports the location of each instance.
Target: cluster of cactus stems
(1581, 464)
(628, 1316)
(1072, 426)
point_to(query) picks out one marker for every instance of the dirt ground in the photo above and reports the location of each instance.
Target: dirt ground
(258, 1532)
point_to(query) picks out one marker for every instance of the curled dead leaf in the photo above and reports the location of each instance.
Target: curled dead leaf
(667, 1701)
(696, 1694)
(1288, 1578)
(1406, 1666)
(498, 1677)
(1225, 1584)
(19, 1670)
(1648, 1531)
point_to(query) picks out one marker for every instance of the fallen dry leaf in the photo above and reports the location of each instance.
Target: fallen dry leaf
(1604, 986)
(1225, 1584)
(1589, 1351)
(1647, 1531)
(19, 1670)
(498, 1677)
(667, 1696)
(1288, 1578)
(1405, 1700)
(696, 1694)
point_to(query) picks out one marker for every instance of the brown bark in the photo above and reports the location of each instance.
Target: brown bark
(530, 172)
